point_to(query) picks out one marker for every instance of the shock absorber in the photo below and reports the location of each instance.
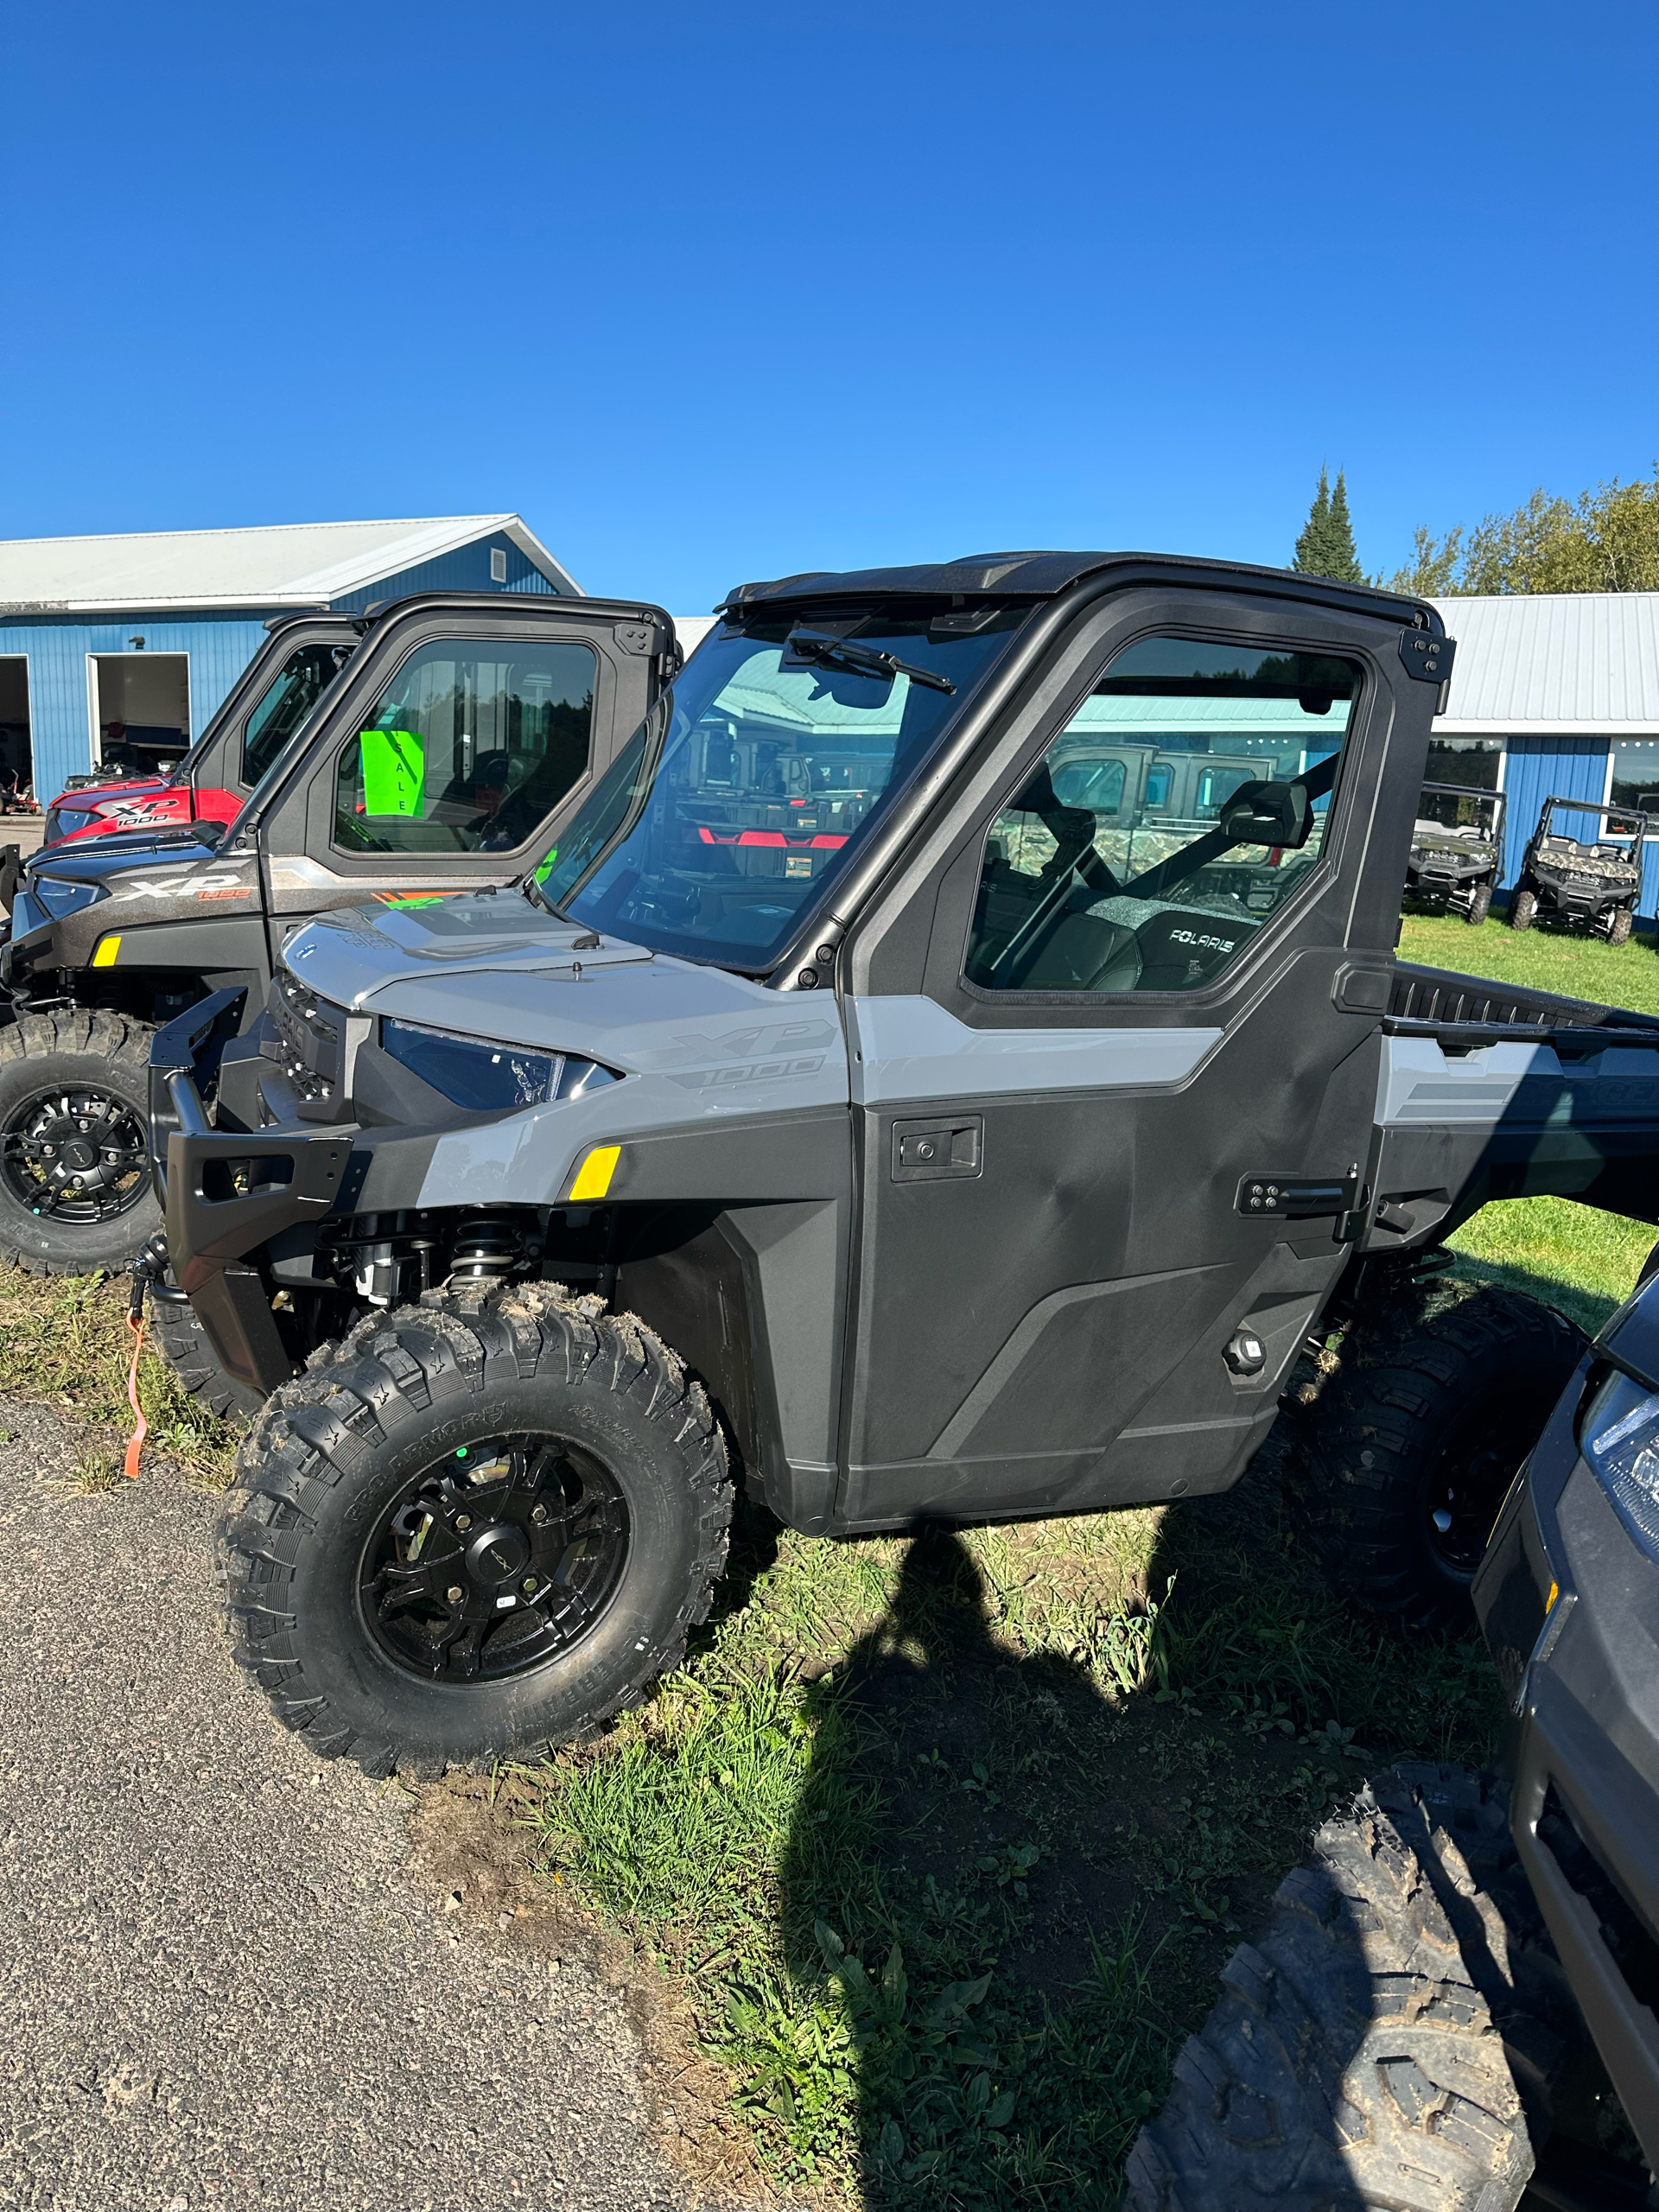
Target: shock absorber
(487, 1248)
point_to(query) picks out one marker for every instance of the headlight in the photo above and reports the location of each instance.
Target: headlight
(1620, 1440)
(484, 1077)
(61, 895)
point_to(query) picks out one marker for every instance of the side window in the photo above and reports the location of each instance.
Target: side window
(285, 703)
(1242, 747)
(469, 749)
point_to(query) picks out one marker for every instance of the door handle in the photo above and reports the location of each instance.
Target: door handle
(928, 1152)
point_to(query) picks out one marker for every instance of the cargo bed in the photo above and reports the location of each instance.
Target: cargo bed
(1485, 1092)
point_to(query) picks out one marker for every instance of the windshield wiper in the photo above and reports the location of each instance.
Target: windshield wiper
(817, 645)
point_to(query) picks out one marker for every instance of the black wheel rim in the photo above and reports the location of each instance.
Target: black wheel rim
(494, 1561)
(1466, 1485)
(75, 1155)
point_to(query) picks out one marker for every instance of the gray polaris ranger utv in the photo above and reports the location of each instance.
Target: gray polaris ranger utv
(843, 1101)
(464, 730)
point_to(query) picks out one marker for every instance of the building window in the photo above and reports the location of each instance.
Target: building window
(1636, 774)
(498, 565)
(1472, 760)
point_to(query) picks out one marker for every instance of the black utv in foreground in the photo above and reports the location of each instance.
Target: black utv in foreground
(1457, 850)
(840, 1106)
(1592, 883)
(1431, 2015)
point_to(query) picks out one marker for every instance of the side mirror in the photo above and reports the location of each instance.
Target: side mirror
(1267, 814)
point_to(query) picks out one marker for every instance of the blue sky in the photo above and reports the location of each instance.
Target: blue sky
(720, 294)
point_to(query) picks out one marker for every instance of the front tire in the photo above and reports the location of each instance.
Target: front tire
(1480, 905)
(1523, 910)
(1393, 2037)
(182, 1342)
(1398, 1472)
(75, 1189)
(474, 1529)
(1618, 930)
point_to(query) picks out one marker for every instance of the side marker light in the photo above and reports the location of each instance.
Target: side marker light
(107, 949)
(594, 1176)
(1549, 1602)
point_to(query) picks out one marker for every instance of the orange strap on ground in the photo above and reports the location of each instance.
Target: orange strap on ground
(135, 1446)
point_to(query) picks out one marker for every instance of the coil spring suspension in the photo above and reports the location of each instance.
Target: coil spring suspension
(488, 1246)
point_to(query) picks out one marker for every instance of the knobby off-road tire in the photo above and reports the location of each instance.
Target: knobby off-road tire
(74, 1056)
(1397, 1473)
(1390, 2042)
(1618, 930)
(180, 1338)
(1480, 905)
(1523, 910)
(408, 1406)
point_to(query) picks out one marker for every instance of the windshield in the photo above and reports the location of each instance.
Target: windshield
(749, 786)
(1468, 814)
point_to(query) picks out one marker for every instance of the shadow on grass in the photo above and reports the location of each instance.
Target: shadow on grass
(945, 1889)
(998, 2051)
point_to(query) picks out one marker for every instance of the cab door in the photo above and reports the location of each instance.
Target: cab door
(277, 691)
(1114, 1083)
(463, 738)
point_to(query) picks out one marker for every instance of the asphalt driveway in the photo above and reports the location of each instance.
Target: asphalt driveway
(219, 1984)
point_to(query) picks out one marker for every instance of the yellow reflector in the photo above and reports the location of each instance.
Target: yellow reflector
(594, 1176)
(107, 949)
(1554, 1593)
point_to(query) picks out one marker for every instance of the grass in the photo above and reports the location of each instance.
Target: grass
(1542, 958)
(62, 1344)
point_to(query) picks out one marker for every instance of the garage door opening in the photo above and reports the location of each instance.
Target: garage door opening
(17, 748)
(140, 710)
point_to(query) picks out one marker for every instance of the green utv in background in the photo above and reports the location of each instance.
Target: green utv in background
(853, 1106)
(1457, 850)
(462, 731)
(1592, 883)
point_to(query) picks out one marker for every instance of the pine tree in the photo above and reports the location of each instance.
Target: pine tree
(1316, 531)
(1325, 547)
(1344, 567)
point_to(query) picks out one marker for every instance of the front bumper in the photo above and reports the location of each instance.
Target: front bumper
(225, 1191)
(1582, 1675)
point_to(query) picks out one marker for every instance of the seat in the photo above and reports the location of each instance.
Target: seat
(1084, 952)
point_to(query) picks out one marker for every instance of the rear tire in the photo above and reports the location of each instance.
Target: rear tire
(81, 1057)
(1480, 905)
(1398, 1472)
(182, 1342)
(1523, 909)
(1618, 930)
(378, 1617)
(1394, 2037)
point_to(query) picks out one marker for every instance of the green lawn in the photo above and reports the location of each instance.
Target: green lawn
(1541, 959)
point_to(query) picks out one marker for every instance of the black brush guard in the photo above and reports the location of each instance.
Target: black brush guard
(225, 1192)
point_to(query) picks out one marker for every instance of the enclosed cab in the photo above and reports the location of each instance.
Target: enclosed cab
(301, 656)
(1582, 869)
(1456, 851)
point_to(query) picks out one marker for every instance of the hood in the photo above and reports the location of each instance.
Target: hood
(95, 860)
(497, 968)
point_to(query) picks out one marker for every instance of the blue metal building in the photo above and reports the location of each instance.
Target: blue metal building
(121, 648)
(1556, 695)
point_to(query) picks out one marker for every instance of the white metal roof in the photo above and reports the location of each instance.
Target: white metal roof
(284, 564)
(1573, 664)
